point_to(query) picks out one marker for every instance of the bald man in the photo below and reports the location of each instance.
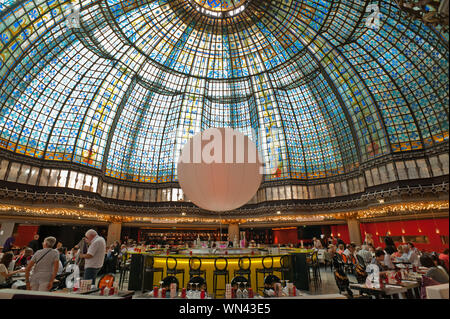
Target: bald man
(95, 255)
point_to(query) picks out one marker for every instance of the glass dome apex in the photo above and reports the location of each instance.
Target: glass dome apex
(220, 8)
(317, 90)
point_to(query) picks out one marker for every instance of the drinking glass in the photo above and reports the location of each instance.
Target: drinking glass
(189, 293)
(197, 291)
(245, 291)
(239, 290)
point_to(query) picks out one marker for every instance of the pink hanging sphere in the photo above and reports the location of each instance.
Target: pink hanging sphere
(219, 169)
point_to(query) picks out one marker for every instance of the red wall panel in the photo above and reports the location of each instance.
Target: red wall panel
(410, 228)
(25, 234)
(285, 236)
(341, 231)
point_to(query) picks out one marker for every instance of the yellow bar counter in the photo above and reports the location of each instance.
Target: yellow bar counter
(159, 260)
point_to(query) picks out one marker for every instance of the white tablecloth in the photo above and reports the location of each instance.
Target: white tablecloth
(437, 292)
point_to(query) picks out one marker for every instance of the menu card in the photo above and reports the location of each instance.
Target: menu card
(85, 285)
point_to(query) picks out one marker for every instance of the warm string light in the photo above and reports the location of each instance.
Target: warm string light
(390, 209)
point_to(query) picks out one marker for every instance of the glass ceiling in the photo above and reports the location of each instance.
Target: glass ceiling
(123, 89)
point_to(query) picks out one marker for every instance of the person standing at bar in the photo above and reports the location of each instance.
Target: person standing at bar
(9, 243)
(35, 244)
(45, 263)
(95, 255)
(390, 245)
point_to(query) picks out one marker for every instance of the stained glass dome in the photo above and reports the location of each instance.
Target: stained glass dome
(220, 5)
(121, 85)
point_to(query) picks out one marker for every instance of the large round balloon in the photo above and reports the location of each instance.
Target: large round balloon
(219, 169)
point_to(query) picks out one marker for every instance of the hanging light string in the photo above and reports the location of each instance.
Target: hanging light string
(153, 217)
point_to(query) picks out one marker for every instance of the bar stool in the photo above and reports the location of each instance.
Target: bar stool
(124, 269)
(284, 266)
(148, 268)
(314, 266)
(265, 270)
(173, 270)
(196, 271)
(220, 272)
(242, 271)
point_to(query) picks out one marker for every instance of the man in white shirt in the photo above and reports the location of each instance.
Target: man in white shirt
(409, 256)
(317, 243)
(388, 261)
(95, 255)
(350, 250)
(365, 254)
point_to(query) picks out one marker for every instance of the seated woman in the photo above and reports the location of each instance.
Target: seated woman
(434, 272)
(399, 252)
(23, 259)
(4, 264)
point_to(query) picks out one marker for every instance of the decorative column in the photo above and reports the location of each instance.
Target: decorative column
(354, 230)
(233, 231)
(114, 231)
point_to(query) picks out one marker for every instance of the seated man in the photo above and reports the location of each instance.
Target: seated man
(414, 249)
(350, 250)
(365, 254)
(409, 256)
(379, 260)
(317, 243)
(388, 261)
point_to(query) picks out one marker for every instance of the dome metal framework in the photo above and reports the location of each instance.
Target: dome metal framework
(318, 91)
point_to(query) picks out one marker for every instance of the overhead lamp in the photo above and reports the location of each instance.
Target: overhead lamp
(278, 213)
(381, 201)
(81, 205)
(183, 214)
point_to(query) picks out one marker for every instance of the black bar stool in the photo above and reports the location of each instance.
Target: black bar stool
(196, 271)
(173, 270)
(148, 268)
(124, 269)
(265, 270)
(220, 272)
(244, 271)
(284, 266)
(313, 265)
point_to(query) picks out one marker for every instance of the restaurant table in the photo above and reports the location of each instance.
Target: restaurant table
(412, 286)
(306, 296)
(388, 291)
(60, 294)
(437, 292)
